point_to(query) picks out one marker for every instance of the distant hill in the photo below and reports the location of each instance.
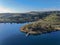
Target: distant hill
(25, 17)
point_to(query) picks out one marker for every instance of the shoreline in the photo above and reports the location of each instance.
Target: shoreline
(38, 32)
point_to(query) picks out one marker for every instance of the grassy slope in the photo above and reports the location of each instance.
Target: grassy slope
(48, 23)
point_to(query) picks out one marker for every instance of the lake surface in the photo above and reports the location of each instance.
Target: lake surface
(10, 35)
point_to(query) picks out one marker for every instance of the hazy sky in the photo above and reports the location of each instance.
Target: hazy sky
(28, 5)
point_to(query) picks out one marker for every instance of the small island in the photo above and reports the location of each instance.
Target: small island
(48, 24)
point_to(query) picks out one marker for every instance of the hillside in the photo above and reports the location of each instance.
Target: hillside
(24, 17)
(47, 24)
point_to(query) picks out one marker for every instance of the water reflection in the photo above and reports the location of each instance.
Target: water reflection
(44, 39)
(11, 35)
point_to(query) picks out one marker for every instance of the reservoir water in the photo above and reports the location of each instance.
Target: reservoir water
(10, 35)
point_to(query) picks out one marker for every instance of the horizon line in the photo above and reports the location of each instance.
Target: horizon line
(32, 11)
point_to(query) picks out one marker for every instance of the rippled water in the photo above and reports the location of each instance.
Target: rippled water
(10, 35)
